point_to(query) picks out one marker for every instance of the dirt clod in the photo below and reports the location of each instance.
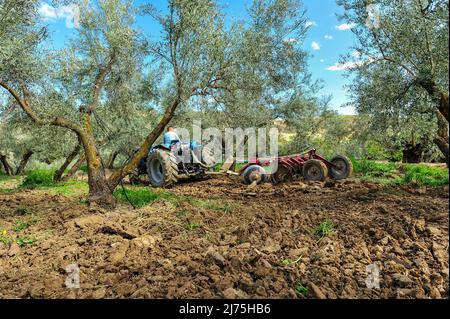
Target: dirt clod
(226, 244)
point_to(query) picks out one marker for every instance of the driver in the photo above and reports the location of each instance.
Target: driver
(170, 137)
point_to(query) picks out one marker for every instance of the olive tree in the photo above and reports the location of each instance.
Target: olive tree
(197, 54)
(402, 66)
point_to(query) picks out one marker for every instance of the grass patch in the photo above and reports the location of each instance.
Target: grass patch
(19, 240)
(72, 187)
(192, 225)
(138, 197)
(324, 229)
(425, 175)
(26, 240)
(4, 177)
(43, 179)
(39, 178)
(301, 290)
(217, 205)
(8, 237)
(84, 168)
(23, 224)
(141, 197)
(7, 191)
(367, 167)
(388, 173)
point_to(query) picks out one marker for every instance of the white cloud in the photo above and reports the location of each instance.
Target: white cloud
(349, 65)
(322, 60)
(290, 40)
(310, 24)
(70, 13)
(356, 54)
(315, 46)
(345, 26)
(47, 12)
(343, 66)
(328, 37)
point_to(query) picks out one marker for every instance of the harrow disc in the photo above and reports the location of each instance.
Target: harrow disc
(282, 175)
(315, 170)
(342, 168)
(254, 173)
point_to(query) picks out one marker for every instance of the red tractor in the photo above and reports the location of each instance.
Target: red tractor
(309, 165)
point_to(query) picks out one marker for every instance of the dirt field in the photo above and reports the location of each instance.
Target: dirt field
(221, 239)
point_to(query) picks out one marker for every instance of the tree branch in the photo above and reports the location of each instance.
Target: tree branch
(58, 121)
(100, 81)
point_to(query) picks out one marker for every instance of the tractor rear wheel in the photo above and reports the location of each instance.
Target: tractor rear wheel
(315, 170)
(342, 169)
(162, 168)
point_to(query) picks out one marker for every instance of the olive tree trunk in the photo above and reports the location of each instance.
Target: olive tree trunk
(23, 163)
(8, 169)
(442, 138)
(74, 169)
(112, 159)
(99, 190)
(59, 173)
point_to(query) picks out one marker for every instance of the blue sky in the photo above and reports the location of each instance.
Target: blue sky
(328, 38)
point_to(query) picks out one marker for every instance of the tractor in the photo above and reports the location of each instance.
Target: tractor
(166, 165)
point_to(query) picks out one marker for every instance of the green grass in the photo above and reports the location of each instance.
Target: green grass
(7, 191)
(367, 167)
(141, 197)
(3, 177)
(425, 175)
(20, 240)
(192, 225)
(43, 179)
(302, 290)
(84, 168)
(217, 205)
(25, 240)
(39, 178)
(324, 229)
(8, 237)
(72, 187)
(23, 224)
(388, 173)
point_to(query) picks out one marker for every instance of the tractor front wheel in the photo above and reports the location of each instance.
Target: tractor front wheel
(162, 169)
(315, 171)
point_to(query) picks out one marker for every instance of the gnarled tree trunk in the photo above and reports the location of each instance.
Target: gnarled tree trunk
(442, 137)
(99, 190)
(8, 169)
(413, 153)
(74, 169)
(23, 163)
(112, 159)
(440, 98)
(58, 174)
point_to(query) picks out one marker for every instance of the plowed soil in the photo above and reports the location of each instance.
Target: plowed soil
(230, 241)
